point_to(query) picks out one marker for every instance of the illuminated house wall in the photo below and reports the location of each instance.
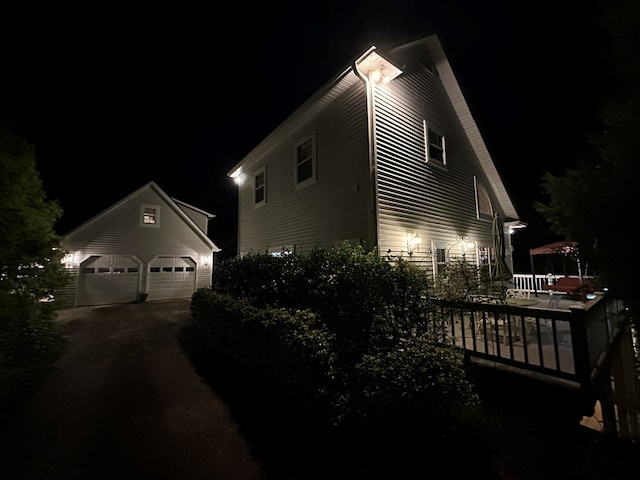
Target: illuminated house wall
(398, 157)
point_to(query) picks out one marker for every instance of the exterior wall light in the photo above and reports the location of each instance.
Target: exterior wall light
(413, 243)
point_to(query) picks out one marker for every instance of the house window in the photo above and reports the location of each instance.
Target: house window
(260, 187)
(483, 202)
(436, 147)
(149, 215)
(434, 144)
(305, 161)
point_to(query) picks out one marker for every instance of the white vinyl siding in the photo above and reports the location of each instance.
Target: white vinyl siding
(336, 207)
(438, 203)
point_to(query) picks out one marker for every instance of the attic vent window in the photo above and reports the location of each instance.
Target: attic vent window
(149, 215)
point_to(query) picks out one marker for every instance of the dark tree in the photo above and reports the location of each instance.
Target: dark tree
(596, 203)
(31, 271)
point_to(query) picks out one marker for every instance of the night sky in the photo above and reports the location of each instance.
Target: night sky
(114, 98)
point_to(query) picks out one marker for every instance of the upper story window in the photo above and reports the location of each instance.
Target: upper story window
(305, 167)
(260, 187)
(483, 202)
(149, 215)
(434, 145)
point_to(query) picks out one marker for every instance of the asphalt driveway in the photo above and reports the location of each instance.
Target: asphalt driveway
(124, 401)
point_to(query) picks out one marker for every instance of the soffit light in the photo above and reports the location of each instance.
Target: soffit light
(376, 67)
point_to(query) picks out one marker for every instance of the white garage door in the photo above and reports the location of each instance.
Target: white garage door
(171, 277)
(103, 280)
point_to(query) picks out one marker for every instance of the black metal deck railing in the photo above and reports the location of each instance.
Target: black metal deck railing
(571, 344)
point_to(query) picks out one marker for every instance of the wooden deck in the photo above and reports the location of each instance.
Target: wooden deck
(554, 337)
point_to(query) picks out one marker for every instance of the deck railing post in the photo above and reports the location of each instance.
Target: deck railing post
(581, 358)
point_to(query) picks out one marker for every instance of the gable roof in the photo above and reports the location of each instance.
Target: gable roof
(347, 77)
(173, 204)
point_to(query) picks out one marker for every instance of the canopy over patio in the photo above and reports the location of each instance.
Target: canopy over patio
(565, 247)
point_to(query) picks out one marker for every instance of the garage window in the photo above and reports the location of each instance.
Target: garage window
(154, 269)
(149, 215)
(104, 270)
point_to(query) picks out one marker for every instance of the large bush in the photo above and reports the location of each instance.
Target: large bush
(344, 330)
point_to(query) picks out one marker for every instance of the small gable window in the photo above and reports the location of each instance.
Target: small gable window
(483, 202)
(305, 167)
(434, 145)
(149, 215)
(260, 187)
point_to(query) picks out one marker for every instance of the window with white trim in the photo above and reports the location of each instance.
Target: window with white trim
(436, 146)
(149, 215)
(260, 187)
(484, 208)
(305, 166)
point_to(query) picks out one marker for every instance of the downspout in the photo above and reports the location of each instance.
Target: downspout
(374, 224)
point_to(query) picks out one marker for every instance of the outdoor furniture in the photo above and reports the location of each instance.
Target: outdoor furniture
(564, 285)
(521, 302)
(518, 293)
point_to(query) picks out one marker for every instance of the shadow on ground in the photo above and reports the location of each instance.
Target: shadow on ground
(289, 448)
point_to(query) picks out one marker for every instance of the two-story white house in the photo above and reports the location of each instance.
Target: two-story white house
(386, 154)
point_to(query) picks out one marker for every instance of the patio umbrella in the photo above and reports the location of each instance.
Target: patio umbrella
(501, 271)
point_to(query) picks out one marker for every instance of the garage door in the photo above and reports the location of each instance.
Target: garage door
(171, 277)
(103, 280)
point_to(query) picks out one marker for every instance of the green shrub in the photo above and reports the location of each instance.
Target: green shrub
(29, 345)
(419, 379)
(343, 331)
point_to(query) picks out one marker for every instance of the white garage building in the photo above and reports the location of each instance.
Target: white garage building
(147, 246)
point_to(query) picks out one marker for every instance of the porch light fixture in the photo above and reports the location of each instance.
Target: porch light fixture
(413, 242)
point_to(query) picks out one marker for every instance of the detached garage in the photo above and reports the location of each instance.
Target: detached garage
(146, 246)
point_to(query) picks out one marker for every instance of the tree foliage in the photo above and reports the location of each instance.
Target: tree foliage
(30, 270)
(595, 202)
